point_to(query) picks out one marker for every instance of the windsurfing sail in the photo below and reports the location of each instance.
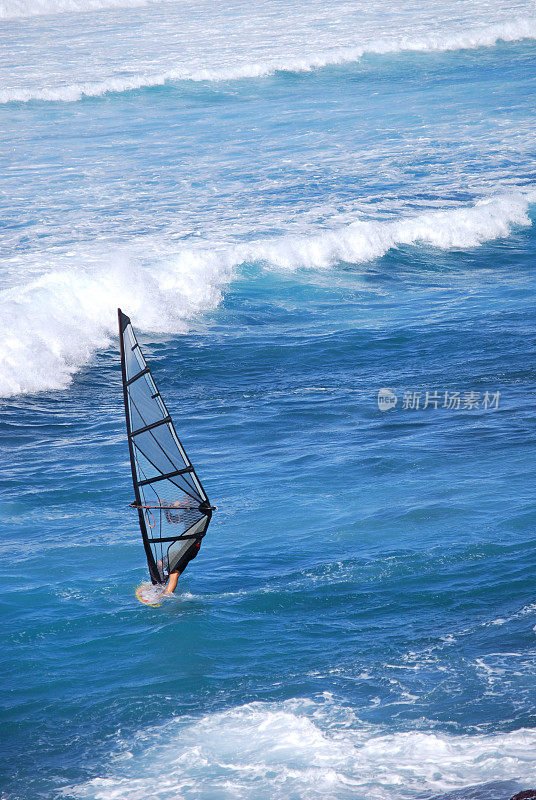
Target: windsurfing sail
(173, 509)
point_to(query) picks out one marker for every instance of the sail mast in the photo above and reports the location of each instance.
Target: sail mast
(153, 571)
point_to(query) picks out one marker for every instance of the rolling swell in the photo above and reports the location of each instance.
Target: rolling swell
(55, 323)
(487, 36)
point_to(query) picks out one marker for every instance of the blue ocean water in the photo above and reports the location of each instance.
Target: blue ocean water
(297, 207)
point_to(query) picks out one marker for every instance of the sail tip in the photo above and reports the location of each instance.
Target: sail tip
(123, 320)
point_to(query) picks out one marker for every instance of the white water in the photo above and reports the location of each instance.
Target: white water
(150, 44)
(315, 750)
(53, 324)
(524, 28)
(15, 9)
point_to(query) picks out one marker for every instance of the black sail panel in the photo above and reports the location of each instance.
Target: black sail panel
(173, 508)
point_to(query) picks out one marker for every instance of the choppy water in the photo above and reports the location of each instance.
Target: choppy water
(297, 206)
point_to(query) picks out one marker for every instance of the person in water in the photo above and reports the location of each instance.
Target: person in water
(191, 553)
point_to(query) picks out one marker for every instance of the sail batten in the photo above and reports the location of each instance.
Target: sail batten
(150, 426)
(171, 501)
(139, 375)
(165, 476)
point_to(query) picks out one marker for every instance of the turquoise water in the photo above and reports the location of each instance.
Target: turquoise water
(291, 228)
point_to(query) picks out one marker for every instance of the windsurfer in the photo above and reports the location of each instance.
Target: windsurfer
(160, 467)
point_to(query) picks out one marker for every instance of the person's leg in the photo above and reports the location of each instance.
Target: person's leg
(181, 566)
(172, 582)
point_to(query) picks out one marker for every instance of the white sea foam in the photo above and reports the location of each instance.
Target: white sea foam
(15, 9)
(151, 594)
(482, 36)
(52, 325)
(305, 749)
(527, 610)
(364, 240)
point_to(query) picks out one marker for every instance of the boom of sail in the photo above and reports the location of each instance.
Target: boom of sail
(173, 508)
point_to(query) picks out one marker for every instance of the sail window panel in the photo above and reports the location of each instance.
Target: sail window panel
(168, 492)
(140, 415)
(141, 396)
(134, 362)
(151, 462)
(143, 383)
(144, 409)
(145, 468)
(196, 526)
(154, 460)
(198, 489)
(177, 523)
(150, 455)
(167, 525)
(136, 420)
(160, 442)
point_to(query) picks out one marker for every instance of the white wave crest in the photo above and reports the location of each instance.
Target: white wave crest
(361, 241)
(488, 36)
(53, 324)
(306, 749)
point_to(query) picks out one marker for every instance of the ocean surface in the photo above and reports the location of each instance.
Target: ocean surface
(298, 205)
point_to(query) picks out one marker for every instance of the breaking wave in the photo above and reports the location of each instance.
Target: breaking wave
(52, 325)
(307, 749)
(516, 30)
